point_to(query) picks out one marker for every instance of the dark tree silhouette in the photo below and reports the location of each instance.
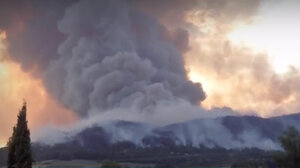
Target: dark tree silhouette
(110, 164)
(19, 145)
(290, 143)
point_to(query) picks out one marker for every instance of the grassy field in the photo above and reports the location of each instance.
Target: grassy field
(67, 164)
(84, 164)
(91, 164)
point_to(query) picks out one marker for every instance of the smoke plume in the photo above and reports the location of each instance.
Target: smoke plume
(100, 55)
(132, 60)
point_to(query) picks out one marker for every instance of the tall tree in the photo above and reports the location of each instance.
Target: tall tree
(290, 143)
(19, 145)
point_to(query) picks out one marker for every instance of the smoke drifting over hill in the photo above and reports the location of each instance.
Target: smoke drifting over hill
(226, 132)
(131, 59)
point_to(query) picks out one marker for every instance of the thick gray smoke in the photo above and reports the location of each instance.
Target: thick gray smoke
(115, 56)
(32, 34)
(112, 55)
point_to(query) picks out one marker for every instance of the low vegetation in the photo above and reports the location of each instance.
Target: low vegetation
(110, 164)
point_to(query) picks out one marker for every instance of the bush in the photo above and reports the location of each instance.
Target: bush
(290, 143)
(110, 164)
(164, 165)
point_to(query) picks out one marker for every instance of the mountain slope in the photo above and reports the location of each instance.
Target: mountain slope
(223, 140)
(227, 132)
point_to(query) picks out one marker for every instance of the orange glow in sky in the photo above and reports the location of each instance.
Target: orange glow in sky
(250, 65)
(16, 86)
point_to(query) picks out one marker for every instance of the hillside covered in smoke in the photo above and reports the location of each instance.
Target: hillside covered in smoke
(212, 142)
(120, 67)
(231, 132)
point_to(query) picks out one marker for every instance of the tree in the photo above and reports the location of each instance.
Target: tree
(110, 164)
(290, 143)
(19, 145)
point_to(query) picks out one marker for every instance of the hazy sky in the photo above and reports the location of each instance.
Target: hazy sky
(250, 63)
(241, 54)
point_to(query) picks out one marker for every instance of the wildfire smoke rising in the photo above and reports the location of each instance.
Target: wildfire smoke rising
(92, 65)
(134, 59)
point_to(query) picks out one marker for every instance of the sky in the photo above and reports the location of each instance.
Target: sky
(254, 65)
(73, 60)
